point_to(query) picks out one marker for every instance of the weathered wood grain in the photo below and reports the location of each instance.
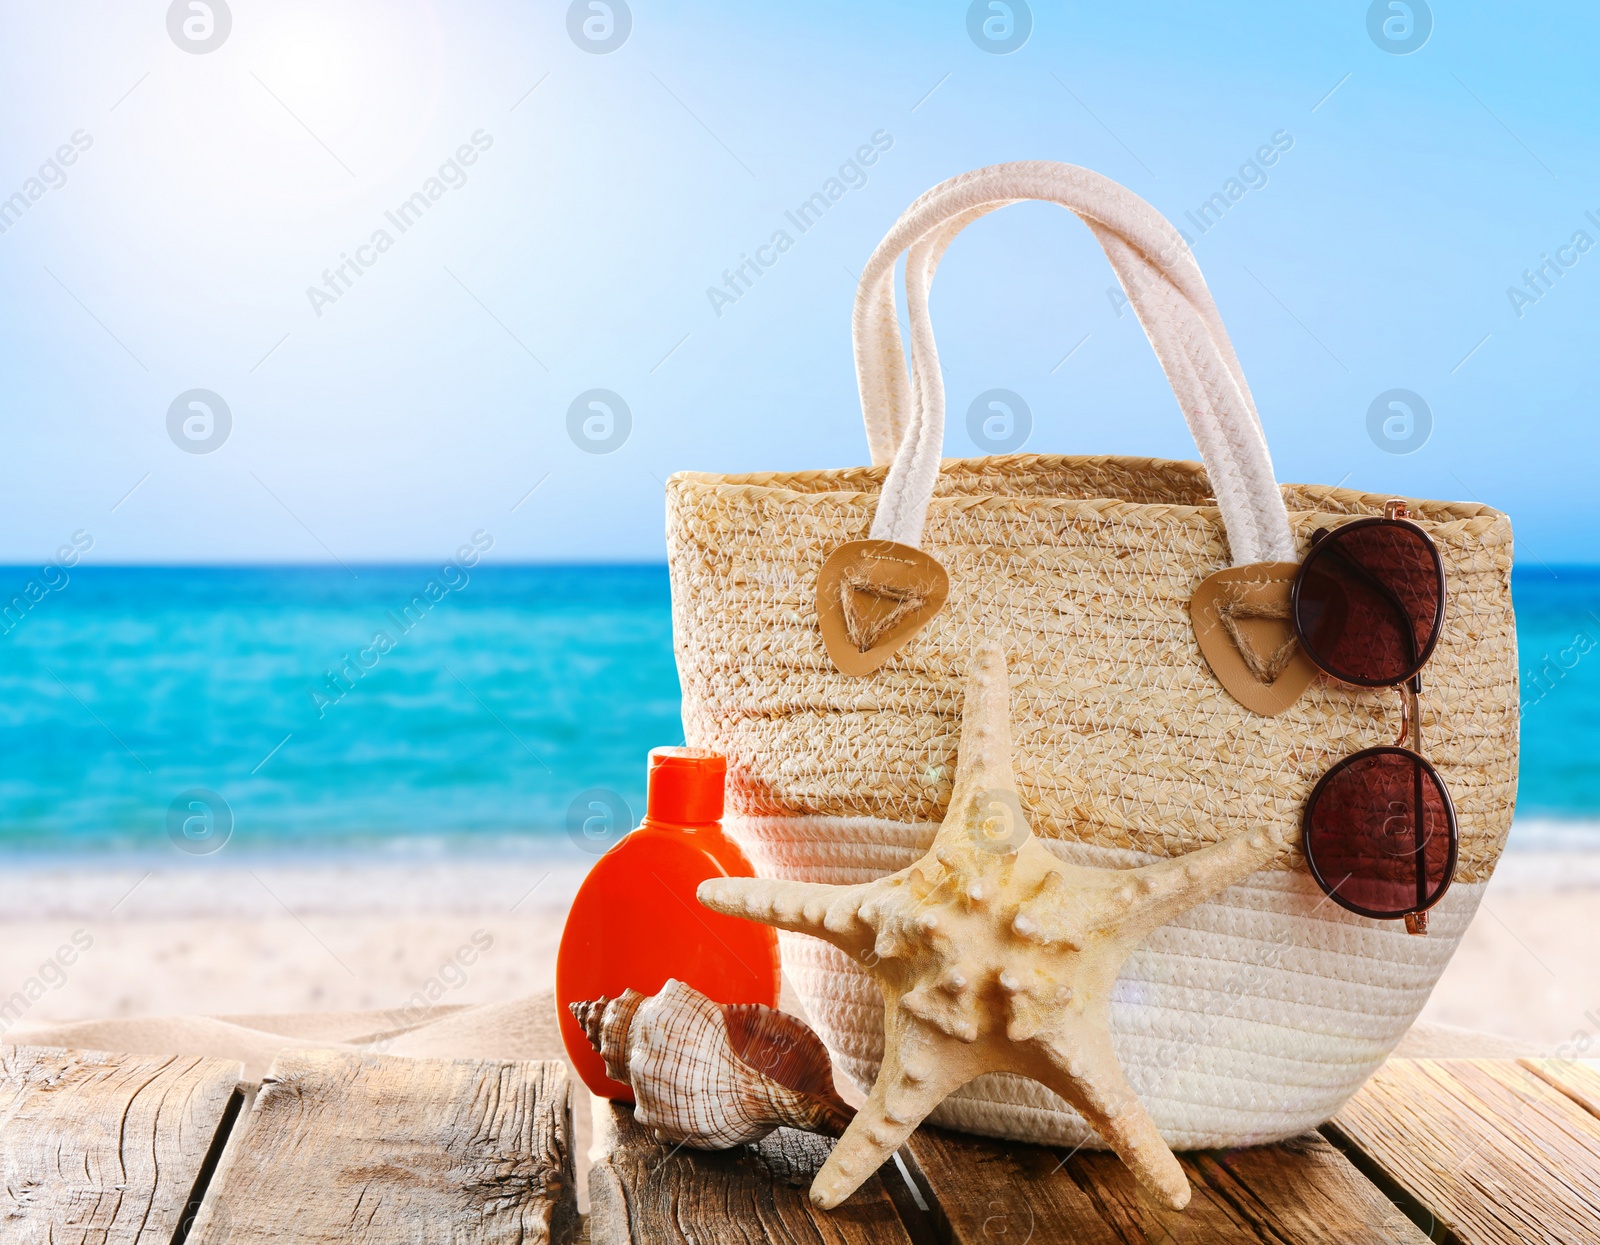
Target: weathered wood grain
(1303, 1191)
(1578, 1079)
(642, 1191)
(1495, 1154)
(103, 1148)
(982, 1190)
(336, 1147)
(390, 1151)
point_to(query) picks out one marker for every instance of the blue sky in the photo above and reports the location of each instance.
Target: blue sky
(610, 191)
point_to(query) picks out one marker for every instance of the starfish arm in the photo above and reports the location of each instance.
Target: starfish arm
(832, 913)
(912, 1081)
(1084, 1070)
(983, 757)
(1164, 891)
(1066, 906)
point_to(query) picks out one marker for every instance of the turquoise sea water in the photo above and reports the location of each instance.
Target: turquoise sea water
(492, 708)
(1558, 650)
(483, 713)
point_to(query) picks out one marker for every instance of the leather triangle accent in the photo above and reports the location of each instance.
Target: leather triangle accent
(1242, 621)
(873, 596)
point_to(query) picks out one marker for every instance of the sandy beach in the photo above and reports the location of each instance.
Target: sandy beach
(269, 936)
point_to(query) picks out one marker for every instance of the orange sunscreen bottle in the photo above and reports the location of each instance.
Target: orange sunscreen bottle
(636, 921)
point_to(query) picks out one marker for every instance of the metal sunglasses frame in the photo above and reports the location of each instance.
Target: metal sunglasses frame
(1409, 741)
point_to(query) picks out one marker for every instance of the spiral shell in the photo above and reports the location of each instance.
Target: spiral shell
(710, 1075)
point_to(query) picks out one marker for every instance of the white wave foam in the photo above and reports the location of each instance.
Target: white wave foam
(1554, 834)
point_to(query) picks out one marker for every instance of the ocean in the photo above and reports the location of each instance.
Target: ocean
(495, 707)
(330, 708)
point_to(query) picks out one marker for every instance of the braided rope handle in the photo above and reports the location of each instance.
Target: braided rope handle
(905, 414)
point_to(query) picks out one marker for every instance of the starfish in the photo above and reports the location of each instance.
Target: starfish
(995, 956)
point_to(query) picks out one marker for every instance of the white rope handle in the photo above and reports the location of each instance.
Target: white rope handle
(905, 413)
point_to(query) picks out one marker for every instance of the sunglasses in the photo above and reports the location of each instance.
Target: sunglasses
(1379, 830)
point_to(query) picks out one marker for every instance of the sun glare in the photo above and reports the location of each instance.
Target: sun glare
(362, 80)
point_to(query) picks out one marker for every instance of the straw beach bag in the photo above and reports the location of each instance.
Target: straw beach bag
(1253, 1016)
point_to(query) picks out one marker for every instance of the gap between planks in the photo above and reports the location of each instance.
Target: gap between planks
(969, 1190)
(643, 1190)
(228, 1132)
(383, 1149)
(105, 1147)
(1495, 1152)
(1301, 1191)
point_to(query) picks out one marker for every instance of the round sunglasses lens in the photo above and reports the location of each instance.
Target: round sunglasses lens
(1369, 603)
(1380, 833)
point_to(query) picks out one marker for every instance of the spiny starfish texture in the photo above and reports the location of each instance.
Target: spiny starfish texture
(995, 956)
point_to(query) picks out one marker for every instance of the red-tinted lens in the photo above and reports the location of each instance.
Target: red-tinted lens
(1380, 833)
(1369, 602)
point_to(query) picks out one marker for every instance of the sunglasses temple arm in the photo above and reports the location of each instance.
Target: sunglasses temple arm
(1419, 832)
(1411, 735)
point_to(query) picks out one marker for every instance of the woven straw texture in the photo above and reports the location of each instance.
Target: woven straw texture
(1258, 1013)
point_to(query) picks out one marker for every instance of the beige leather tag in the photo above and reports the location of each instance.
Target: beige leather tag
(872, 597)
(1241, 618)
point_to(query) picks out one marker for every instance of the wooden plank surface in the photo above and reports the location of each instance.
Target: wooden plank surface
(1578, 1079)
(103, 1148)
(643, 1191)
(337, 1147)
(1304, 1191)
(391, 1151)
(1497, 1155)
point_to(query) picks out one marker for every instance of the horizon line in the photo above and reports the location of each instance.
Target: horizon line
(375, 564)
(483, 563)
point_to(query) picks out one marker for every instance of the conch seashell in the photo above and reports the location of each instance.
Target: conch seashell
(714, 1075)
